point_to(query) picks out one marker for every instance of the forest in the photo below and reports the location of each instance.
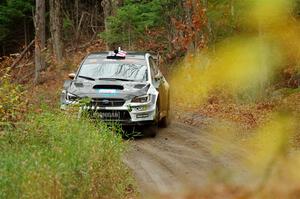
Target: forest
(234, 73)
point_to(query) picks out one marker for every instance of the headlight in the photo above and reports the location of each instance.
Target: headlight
(141, 99)
(71, 97)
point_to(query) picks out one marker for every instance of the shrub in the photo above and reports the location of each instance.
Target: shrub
(12, 101)
(54, 155)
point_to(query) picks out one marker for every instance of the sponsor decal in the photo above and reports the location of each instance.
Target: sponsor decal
(107, 92)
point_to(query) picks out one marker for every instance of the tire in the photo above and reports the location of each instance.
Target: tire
(164, 122)
(152, 130)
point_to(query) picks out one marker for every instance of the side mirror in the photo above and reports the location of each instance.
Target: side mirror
(158, 77)
(157, 59)
(71, 75)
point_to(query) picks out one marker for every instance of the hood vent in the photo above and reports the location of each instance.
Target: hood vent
(116, 87)
(78, 84)
(139, 86)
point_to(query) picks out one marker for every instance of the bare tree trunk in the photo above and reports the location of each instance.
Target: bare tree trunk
(39, 39)
(43, 33)
(25, 34)
(56, 29)
(77, 11)
(107, 11)
(23, 53)
(209, 25)
(77, 23)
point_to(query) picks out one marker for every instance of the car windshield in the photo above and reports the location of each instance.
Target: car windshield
(118, 70)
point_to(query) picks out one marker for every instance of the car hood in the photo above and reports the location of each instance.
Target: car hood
(108, 89)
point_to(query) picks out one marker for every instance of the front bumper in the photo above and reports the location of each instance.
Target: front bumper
(127, 114)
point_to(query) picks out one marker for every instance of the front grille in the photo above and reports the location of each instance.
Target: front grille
(110, 115)
(99, 102)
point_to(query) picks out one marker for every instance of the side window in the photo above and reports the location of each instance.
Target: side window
(153, 68)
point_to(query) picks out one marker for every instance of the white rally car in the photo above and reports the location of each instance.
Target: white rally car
(126, 87)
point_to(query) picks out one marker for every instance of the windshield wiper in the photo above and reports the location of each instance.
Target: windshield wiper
(120, 79)
(88, 78)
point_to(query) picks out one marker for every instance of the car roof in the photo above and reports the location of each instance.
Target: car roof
(129, 55)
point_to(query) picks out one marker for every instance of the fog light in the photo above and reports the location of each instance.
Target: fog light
(141, 108)
(142, 115)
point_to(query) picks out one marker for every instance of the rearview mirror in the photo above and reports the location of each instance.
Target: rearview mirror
(71, 75)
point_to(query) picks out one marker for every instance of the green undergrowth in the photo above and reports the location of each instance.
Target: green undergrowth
(55, 155)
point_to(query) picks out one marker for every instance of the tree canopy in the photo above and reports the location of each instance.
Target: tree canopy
(14, 15)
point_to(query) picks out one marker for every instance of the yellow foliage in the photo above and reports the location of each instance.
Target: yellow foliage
(247, 64)
(269, 13)
(271, 143)
(239, 65)
(244, 64)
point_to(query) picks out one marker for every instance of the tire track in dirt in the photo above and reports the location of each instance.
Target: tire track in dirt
(179, 158)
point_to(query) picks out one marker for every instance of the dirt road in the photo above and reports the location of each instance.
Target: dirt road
(181, 157)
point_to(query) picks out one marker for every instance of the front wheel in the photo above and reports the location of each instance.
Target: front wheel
(152, 129)
(165, 121)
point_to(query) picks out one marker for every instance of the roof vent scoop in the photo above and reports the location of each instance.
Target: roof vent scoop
(117, 54)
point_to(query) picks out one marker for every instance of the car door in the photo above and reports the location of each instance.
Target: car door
(159, 83)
